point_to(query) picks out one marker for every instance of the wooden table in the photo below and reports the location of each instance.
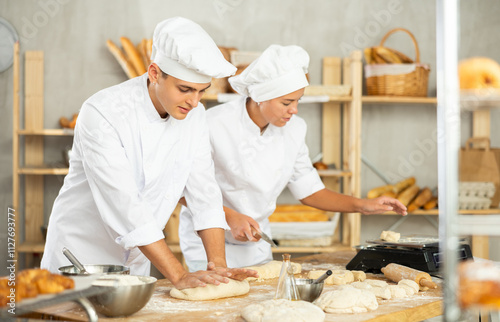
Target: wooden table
(162, 307)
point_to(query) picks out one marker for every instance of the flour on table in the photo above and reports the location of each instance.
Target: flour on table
(212, 292)
(347, 300)
(283, 311)
(272, 269)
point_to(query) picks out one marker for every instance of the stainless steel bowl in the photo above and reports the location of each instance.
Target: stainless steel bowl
(95, 269)
(307, 290)
(125, 299)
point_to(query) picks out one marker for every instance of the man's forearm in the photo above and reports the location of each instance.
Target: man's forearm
(164, 260)
(214, 243)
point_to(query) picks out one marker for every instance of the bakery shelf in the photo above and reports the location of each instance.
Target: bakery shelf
(334, 173)
(226, 97)
(43, 171)
(479, 225)
(398, 99)
(31, 247)
(48, 132)
(431, 212)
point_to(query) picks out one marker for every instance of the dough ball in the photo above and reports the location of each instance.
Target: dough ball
(359, 276)
(390, 236)
(347, 300)
(272, 269)
(409, 291)
(283, 311)
(338, 277)
(397, 292)
(479, 72)
(361, 285)
(212, 292)
(381, 292)
(410, 283)
(376, 283)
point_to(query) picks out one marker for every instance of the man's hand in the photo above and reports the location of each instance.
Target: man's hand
(238, 274)
(382, 204)
(241, 226)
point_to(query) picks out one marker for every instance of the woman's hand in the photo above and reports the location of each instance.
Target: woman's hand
(382, 204)
(241, 226)
(238, 274)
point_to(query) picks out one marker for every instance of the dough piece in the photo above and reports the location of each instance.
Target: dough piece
(361, 285)
(359, 276)
(212, 292)
(412, 285)
(390, 236)
(283, 311)
(338, 277)
(397, 292)
(381, 292)
(347, 300)
(376, 283)
(272, 269)
(409, 291)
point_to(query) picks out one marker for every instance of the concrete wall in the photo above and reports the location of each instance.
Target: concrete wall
(77, 64)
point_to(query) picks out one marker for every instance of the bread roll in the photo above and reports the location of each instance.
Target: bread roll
(421, 199)
(431, 204)
(133, 55)
(408, 194)
(121, 59)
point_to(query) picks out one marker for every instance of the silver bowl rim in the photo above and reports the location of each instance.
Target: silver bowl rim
(124, 269)
(152, 281)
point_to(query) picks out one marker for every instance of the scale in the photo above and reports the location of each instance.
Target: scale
(418, 252)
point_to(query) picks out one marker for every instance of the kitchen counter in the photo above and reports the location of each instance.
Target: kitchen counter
(162, 307)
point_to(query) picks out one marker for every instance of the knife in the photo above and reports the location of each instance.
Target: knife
(265, 237)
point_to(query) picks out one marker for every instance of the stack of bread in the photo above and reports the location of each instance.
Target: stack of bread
(408, 193)
(133, 59)
(385, 55)
(30, 283)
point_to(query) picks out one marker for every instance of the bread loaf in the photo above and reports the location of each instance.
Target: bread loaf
(121, 59)
(377, 192)
(133, 55)
(141, 48)
(431, 204)
(408, 194)
(403, 184)
(421, 199)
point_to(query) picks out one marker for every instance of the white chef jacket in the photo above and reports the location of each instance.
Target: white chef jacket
(252, 170)
(128, 169)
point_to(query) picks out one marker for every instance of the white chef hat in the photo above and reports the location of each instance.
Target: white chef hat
(182, 48)
(280, 70)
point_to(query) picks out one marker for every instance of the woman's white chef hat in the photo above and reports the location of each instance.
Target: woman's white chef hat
(280, 70)
(182, 48)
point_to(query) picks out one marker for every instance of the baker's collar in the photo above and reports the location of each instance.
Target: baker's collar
(150, 111)
(249, 124)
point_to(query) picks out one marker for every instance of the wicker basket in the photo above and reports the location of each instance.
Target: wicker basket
(398, 79)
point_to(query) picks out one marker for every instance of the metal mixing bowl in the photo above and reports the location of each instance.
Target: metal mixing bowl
(95, 269)
(307, 290)
(125, 299)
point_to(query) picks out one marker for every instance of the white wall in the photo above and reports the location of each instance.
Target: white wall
(77, 64)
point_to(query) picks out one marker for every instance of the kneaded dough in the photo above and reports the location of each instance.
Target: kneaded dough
(411, 284)
(347, 300)
(272, 269)
(376, 283)
(397, 292)
(283, 311)
(381, 292)
(361, 285)
(359, 276)
(338, 277)
(211, 291)
(390, 236)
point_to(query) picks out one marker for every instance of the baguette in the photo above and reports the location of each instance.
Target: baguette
(387, 56)
(431, 204)
(141, 48)
(368, 55)
(408, 194)
(121, 59)
(404, 59)
(133, 55)
(390, 194)
(149, 49)
(422, 198)
(403, 184)
(378, 191)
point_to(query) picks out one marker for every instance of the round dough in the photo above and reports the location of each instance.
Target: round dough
(283, 311)
(381, 292)
(412, 284)
(272, 269)
(359, 276)
(376, 283)
(347, 300)
(397, 292)
(338, 277)
(211, 291)
(361, 285)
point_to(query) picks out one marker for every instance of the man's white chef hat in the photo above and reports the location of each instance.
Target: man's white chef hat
(182, 48)
(280, 70)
